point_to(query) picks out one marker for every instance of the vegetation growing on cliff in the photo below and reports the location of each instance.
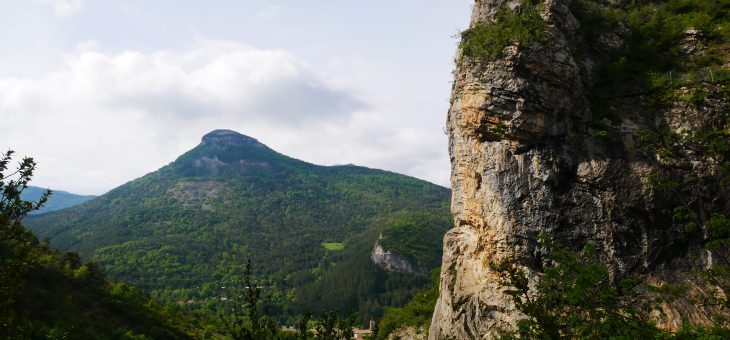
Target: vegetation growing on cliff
(696, 197)
(575, 299)
(486, 41)
(676, 53)
(652, 58)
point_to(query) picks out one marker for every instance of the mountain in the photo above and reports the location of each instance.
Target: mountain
(602, 127)
(57, 201)
(184, 232)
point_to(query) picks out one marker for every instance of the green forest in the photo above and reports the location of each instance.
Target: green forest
(184, 233)
(47, 294)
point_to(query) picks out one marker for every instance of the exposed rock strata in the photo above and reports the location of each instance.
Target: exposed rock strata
(526, 161)
(197, 193)
(392, 261)
(408, 333)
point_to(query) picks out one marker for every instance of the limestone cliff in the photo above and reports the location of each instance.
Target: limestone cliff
(408, 332)
(392, 261)
(531, 154)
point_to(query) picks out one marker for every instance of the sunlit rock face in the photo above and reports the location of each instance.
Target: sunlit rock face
(392, 261)
(525, 161)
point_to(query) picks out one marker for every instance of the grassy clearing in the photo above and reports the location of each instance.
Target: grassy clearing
(333, 246)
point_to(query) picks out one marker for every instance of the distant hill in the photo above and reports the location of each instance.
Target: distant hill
(184, 232)
(59, 200)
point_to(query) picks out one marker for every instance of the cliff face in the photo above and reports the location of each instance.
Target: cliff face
(530, 156)
(392, 261)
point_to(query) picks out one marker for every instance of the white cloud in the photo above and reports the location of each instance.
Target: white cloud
(64, 8)
(120, 90)
(104, 119)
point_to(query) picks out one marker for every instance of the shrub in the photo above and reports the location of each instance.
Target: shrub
(486, 41)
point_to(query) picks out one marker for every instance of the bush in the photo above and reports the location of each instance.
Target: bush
(574, 299)
(487, 40)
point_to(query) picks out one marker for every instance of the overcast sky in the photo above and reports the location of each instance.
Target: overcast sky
(101, 92)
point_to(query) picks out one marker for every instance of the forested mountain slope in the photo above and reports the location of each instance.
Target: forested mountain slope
(46, 294)
(54, 295)
(185, 231)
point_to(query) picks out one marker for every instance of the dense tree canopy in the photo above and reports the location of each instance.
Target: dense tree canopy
(184, 232)
(48, 294)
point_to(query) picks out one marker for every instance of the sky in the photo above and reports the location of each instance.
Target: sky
(100, 92)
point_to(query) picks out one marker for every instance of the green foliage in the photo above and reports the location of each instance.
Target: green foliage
(303, 332)
(185, 231)
(12, 206)
(330, 326)
(350, 282)
(416, 313)
(686, 217)
(697, 97)
(486, 41)
(594, 20)
(573, 299)
(248, 316)
(696, 198)
(415, 235)
(718, 228)
(702, 333)
(47, 294)
(327, 325)
(667, 152)
(650, 60)
(718, 243)
(15, 246)
(725, 173)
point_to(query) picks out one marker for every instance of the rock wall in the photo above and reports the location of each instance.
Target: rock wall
(525, 161)
(408, 332)
(392, 261)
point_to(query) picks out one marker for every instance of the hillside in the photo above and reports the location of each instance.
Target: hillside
(59, 200)
(54, 295)
(46, 294)
(184, 232)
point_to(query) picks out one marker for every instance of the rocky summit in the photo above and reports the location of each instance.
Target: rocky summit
(229, 138)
